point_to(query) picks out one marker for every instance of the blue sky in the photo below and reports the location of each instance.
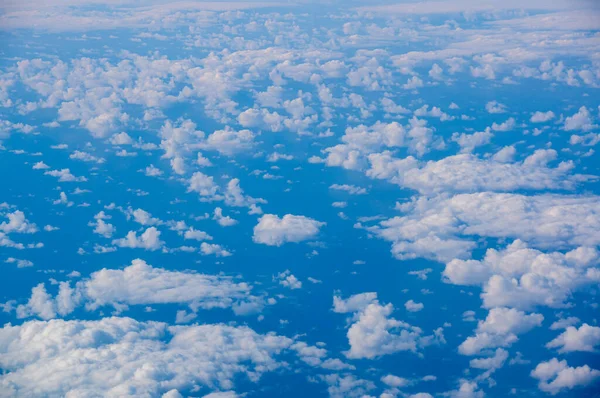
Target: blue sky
(266, 199)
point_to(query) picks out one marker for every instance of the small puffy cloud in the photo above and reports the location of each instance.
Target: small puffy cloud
(196, 235)
(152, 171)
(101, 227)
(214, 249)
(64, 175)
(468, 142)
(275, 231)
(490, 363)
(148, 240)
(287, 279)
(351, 189)
(495, 107)
(224, 221)
(354, 303)
(395, 381)
(121, 139)
(555, 376)
(507, 125)
(229, 142)
(413, 306)
(541, 117)
(86, 157)
(40, 166)
(202, 184)
(20, 262)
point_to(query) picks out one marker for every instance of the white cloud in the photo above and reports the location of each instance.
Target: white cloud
(208, 249)
(141, 284)
(287, 279)
(490, 363)
(468, 142)
(351, 189)
(375, 333)
(495, 107)
(224, 221)
(229, 142)
(507, 125)
(121, 138)
(102, 227)
(148, 240)
(555, 376)
(40, 166)
(395, 381)
(20, 263)
(64, 175)
(582, 121)
(86, 157)
(541, 117)
(274, 231)
(442, 227)
(121, 356)
(500, 329)
(524, 278)
(203, 184)
(152, 171)
(413, 306)
(196, 235)
(586, 338)
(354, 303)
(17, 223)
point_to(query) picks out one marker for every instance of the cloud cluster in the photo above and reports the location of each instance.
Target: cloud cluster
(142, 284)
(124, 357)
(375, 333)
(524, 278)
(442, 228)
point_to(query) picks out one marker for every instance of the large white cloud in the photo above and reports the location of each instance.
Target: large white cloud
(555, 376)
(124, 357)
(142, 284)
(443, 228)
(585, 338)
(521, 277)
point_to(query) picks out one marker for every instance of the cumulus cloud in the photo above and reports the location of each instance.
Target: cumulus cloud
(17, 223)
(229, 142)
(148, 240)
(524, 278)
(582, 120)
(375, 333)
(556, 376)
(64, 175)
(585, 338)
(287, 279)
(121, 356)
(275, 231)
(500, 329)
(441, 227)
(541, 117)
(141, 284)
